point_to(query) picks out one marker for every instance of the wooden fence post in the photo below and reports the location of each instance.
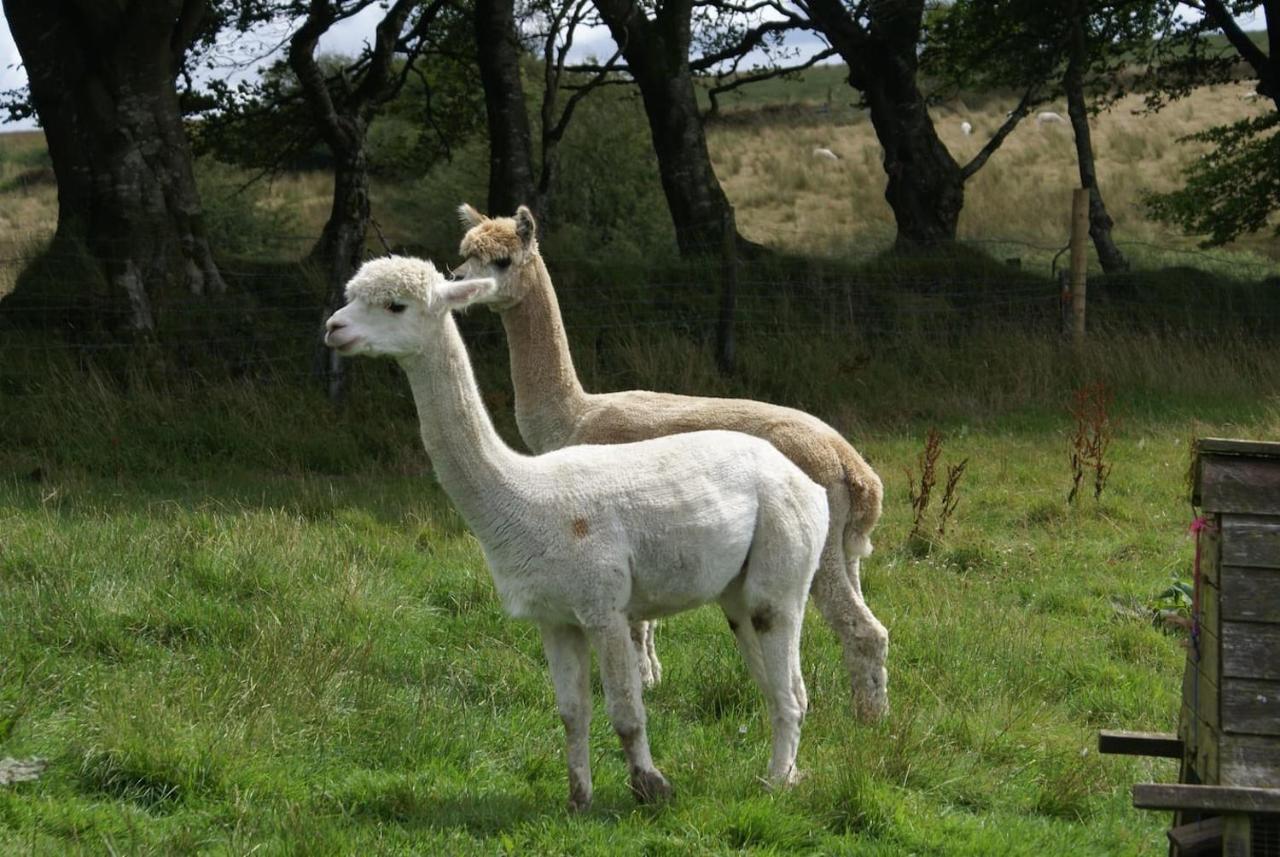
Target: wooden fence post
(725, 347)
(1079, 259)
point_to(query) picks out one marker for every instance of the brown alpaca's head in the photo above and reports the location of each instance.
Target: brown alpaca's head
(504, 248)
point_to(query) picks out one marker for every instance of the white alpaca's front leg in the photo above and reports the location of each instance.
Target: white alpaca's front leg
(620, 675)
(570, 662)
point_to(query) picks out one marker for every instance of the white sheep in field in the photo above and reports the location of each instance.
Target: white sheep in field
(587, 539)
(966, 128)
(1048, 117)
(825, 154)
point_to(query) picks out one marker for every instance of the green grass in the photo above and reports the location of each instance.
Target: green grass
(236, 620)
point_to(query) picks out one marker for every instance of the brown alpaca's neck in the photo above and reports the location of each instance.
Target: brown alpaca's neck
(548, 394)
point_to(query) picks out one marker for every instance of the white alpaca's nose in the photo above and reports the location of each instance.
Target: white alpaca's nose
(334, 336)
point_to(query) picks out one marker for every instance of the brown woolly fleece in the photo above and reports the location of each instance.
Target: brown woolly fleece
(553, 411)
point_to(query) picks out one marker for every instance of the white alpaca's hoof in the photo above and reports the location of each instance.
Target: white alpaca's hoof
(650, 786)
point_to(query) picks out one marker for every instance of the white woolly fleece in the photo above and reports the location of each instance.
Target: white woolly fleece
(393, 277)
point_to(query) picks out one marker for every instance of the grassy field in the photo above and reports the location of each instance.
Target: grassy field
(237, 621)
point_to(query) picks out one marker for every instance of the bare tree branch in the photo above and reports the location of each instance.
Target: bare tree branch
(765, 74)
(1015, 116)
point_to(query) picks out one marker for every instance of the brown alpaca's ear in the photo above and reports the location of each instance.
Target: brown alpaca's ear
(526, 227)
(469, 216)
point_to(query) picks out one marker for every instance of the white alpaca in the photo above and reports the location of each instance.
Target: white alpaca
(1048, 117)
(966, 128)
(584, 540)
(825, 154)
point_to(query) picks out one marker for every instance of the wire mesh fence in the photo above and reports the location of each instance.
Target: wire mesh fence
(268, 326)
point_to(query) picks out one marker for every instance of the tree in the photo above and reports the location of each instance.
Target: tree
(657, 54)
(550, 27)
(332, 100)
(498, 54)
(1234, 189)
(879, 40)
(1082, 51)
(103, 86)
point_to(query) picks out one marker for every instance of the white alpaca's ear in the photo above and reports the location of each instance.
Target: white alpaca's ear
(526, 227)
(469, 216)
(459, 294)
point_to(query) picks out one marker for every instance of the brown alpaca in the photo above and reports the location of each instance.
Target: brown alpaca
(553, 411)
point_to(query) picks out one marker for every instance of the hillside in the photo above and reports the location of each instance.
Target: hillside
(1016, 207)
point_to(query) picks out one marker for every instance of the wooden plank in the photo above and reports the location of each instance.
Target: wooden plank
(1250, 707)
(1252, 540)
(1250, 650)
(1205, 798)
(1250, 594)
(1197, 839)
(1236, 841)
(1161, 744)
(1199, 690)
(1201, 742)
(1238, 446)
(1211, 552)
(1248, 760)
(1236, 484)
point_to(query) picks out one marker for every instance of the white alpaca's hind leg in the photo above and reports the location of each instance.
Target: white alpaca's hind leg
(864, 641)
(646, 655)
(778, 631)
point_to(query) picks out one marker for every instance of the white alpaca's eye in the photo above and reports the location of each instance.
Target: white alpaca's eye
(503, 263)
(396, 308)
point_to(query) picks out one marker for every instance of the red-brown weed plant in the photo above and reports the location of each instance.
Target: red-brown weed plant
(1091, 439)
(920, 490)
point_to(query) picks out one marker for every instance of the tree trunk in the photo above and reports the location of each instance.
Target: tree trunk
(102, 84)
(340, 250)
(511, 173)
(657, 54)
(926, 186)
(1100, 223)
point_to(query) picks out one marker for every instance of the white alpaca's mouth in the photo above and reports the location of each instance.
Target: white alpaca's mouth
(340, 345)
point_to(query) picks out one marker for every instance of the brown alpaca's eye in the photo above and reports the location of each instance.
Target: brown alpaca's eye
(397, 308)
(503, 263)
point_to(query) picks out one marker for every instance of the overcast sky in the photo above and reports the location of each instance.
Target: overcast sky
(348, 36)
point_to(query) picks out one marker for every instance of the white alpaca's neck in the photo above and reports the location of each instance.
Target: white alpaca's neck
(548, 394)
(475, 467)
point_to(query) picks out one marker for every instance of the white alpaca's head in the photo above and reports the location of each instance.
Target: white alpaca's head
(503, 248)
(395, 305)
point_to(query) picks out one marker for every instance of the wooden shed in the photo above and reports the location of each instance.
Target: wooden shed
(1228, 740)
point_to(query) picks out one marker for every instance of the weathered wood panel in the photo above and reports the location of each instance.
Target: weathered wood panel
(1235, 836)
(1251, 540)
(1205, 798)
(1250, 594)
(1242, 485)
(1198, 839)
(1250, 650)
(1248, 760)
(1250, 707)
(1237, 446)
(1160, 744)
(1210, 552)
(1200, 695)
(1201, 742)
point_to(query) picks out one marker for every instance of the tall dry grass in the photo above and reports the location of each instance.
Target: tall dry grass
(785, 197)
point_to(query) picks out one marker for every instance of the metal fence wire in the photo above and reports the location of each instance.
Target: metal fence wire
(269, 324)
